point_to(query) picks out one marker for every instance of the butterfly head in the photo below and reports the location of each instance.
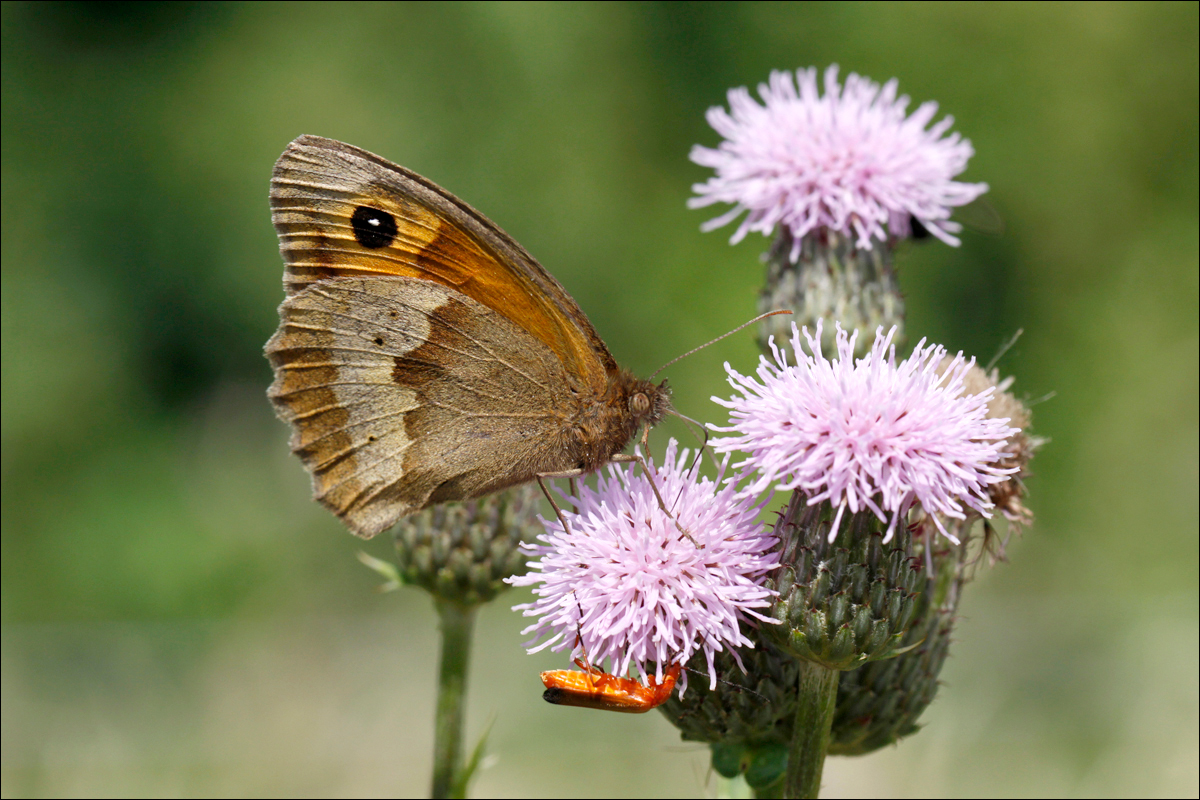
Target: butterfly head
(649, 402)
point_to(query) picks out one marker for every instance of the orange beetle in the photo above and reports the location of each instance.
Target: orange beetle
(595, 689)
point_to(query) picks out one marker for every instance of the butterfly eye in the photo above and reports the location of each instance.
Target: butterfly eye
(639, 403)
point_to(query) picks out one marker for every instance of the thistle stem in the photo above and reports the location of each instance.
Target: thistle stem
(770, 792)
(456, 625)
(810, 736)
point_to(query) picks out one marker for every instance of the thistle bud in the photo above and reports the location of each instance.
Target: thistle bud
(462, 552)
(880, 702)
(747, 717)
(846, 602)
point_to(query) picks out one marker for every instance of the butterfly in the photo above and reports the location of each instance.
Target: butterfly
(422, 355)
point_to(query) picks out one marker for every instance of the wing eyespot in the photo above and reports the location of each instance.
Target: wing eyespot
(373, 228)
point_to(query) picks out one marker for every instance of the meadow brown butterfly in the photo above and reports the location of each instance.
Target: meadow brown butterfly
(422, 355)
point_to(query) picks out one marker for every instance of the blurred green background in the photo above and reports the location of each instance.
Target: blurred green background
(180, 618)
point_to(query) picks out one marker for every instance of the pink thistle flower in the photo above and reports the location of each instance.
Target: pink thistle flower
(868, 434)
(647, 593)
(849, 162)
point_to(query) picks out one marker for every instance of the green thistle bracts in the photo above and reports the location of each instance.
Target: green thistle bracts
(880, 702)
(747, 718)
(752, 706)
(834, 281)
(843, 604)
(462, 552)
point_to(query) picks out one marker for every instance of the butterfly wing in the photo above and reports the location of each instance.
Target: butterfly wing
(341, 211)
(422, 355)
(403, 393)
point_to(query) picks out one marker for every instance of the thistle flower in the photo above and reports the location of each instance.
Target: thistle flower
(867, 434)
(627, 587)
(850, 162)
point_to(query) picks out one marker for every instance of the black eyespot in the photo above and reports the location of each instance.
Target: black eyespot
(373, 228)
(379, 341)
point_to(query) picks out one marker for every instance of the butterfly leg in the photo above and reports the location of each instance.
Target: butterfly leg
(585, 664)
(572, 474)
(695, 461)
(626, 458)
(619, 458)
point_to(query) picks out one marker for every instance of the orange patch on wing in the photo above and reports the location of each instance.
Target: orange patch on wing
(316, 222)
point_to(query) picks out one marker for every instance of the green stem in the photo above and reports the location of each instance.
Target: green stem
(456, 623)
(810, 736)
(770, 792)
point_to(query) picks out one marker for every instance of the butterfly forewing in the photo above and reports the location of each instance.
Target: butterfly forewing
(341, 211)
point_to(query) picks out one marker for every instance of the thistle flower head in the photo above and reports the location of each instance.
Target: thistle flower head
(627, 587)
(850, 161)
(870, 433)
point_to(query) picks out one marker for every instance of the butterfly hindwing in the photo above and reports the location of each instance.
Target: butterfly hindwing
(403, 393)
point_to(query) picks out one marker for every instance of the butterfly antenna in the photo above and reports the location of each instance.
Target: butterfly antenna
(1004, 348)
(759, 318)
